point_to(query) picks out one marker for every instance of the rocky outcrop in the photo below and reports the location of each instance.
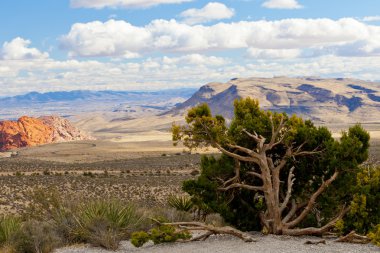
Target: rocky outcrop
(63, 130)
(28, 131)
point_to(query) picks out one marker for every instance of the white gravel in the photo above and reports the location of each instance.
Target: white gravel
(226, 244)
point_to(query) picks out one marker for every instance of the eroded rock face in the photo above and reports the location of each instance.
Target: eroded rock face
(27, 132)
(63, 130)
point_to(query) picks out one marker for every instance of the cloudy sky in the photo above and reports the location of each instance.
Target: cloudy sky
(48, 45)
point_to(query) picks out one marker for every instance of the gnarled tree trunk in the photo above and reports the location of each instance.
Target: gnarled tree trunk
(282, 215)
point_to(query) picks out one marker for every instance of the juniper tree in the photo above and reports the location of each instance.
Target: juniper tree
(286, 162)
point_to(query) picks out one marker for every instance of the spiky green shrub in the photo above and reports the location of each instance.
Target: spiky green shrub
(181, 203)
(159, 234)
(106, 222)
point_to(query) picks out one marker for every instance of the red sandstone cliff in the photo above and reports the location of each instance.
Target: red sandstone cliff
(27, 131)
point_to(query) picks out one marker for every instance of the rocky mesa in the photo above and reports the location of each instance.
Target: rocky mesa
(28, 131)
(335, 100)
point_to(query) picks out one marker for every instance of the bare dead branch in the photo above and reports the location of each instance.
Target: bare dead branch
(254, 136)
(202, 237)
(255, 174)
(353, 237)
(275, 133)
(260, 140)
(316, 231)
(312, 200)
(291, 213)
(291, 180)
(299, 152)
(233, 155)
(236, 178)
(284, 159)
(242, 186)
(245, 150)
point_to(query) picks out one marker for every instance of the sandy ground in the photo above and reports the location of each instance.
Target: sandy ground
(226, 244)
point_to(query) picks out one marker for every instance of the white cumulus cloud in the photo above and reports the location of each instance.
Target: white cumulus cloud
(371, 18)
(210, 12)
(100, 4)
(274, 53)
(18, 49)
(282, 4)
(120, 38)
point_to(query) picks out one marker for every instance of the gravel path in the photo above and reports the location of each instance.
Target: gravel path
(226, 244)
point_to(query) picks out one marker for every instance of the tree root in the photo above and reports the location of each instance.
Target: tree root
(353, 237)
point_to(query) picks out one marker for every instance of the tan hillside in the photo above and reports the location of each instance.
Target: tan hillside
(322, 100)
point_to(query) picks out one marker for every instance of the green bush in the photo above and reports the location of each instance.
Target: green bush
(138, 239)
(160, 234)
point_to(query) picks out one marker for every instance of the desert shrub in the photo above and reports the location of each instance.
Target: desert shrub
(159, 234)
(138, 239)
(37, 237)
(181, 203)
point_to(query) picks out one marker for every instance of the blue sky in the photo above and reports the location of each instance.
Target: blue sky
(50, 45)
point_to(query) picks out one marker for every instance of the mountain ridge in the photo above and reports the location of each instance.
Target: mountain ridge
(322, 100)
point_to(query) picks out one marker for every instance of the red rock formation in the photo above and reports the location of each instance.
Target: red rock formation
(24, 132)
(27, 131)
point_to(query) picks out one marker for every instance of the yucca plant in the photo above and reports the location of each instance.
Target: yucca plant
(181, 203)
(105, 222)
(119, 215)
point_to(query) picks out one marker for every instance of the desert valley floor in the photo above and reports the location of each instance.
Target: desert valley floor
(141, 172)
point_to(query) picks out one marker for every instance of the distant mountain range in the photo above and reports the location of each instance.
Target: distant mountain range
(337, 100)
(86, 95)
(67, 103)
